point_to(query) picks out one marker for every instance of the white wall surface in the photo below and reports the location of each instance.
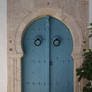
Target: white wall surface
(90, 21)
(90, 11)
(3, 46)
(3, 42)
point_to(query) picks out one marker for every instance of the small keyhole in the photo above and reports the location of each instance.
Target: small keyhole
(50, 63)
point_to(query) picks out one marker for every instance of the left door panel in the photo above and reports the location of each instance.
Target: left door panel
(35, 62)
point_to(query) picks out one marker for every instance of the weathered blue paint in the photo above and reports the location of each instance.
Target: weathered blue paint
(47, 65)
(62, 62)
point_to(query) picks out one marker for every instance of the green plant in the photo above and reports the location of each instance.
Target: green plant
(85, 71)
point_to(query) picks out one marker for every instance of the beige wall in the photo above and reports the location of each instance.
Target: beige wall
(3, 47)
(18, 9)
(22, 11)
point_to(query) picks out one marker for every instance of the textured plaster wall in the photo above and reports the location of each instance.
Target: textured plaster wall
(18, 10)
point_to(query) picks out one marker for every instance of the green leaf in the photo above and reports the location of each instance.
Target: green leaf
(85, 71)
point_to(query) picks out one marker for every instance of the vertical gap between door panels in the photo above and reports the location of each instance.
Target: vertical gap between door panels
(49, 57)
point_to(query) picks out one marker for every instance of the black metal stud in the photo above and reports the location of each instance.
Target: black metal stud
(44, 83)
(38, 61)
(33, 83)
(39, 83)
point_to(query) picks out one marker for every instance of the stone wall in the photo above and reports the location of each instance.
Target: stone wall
(21, 12)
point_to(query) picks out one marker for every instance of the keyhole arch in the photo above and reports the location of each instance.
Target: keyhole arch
(39, 17)
(78, 36)
(75, 34)
(28, 39)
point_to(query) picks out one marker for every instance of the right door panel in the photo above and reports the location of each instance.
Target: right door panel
(61, 66)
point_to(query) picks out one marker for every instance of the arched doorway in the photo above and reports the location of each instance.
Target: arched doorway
(47, 65)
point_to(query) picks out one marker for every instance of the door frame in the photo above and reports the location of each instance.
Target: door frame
(69, 21)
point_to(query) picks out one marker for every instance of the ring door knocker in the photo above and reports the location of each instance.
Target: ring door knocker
(38, 41)
(57, 42)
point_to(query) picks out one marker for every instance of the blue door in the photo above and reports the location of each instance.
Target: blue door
(47, 65)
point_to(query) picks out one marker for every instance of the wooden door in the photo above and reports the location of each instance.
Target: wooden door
(47, 65)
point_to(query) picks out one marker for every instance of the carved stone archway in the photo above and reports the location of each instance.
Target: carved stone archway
(68, 20)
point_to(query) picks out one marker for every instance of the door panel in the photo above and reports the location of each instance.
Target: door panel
(35, 63)
(47, 65)
(62, 62)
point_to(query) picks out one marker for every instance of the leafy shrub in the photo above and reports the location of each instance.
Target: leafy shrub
(85, 71)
